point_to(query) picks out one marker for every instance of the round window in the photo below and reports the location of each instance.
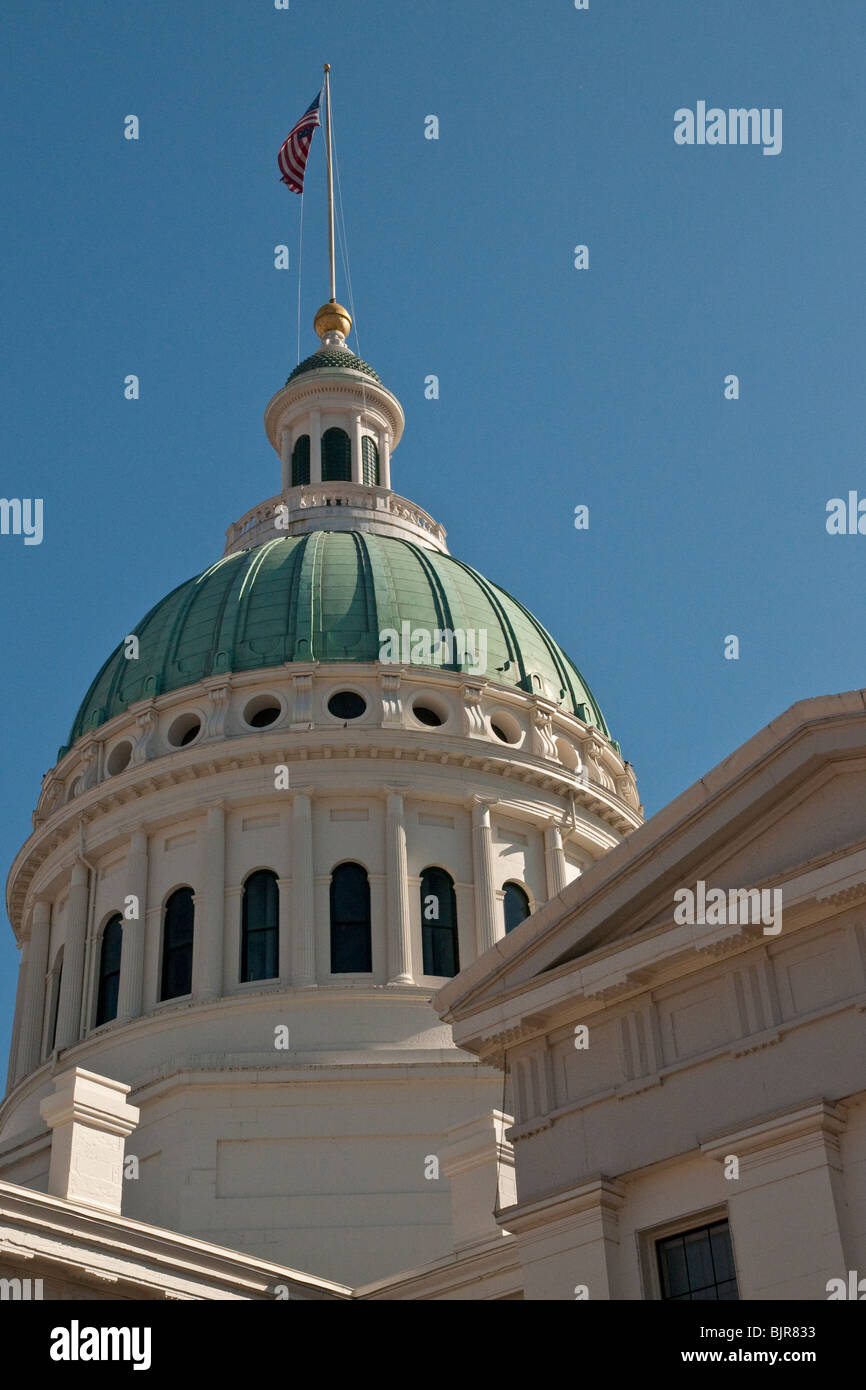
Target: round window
(263, 711)
(118, 758)
(425, 715)
(505, 727)
(184, 730)
(347, 704)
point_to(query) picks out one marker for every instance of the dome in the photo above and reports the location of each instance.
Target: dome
(327, 596)
(335, 357)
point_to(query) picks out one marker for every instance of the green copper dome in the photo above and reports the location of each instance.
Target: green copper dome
(327, 596)
(329, 357)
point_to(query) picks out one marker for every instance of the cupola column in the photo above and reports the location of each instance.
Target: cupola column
(385, 459)
(397, 887)
(132, 949)
(304, 973)
(482, 861)
(554, 860)
(72, 978)
(30, 1043)
(286, 458)
(315, 446)
(357, 463)
(207, 960)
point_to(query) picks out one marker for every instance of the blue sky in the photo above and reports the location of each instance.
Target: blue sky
(558, 386)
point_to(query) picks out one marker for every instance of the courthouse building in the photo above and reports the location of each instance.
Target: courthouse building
(350, 970)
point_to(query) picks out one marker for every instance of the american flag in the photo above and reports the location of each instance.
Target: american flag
(292, 158)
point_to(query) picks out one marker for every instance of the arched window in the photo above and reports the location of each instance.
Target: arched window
(517, 907)
(109, 970)
(351, 943)
(260, 927)
(177, 934)
(370, 461)
(301, 461)
(56, 982)
(439, 923)
(336, 456)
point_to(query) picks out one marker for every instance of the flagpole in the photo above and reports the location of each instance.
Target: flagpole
(330, 182)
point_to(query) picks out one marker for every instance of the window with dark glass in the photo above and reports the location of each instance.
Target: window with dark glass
(55, 1000)
(370, 461)
(516, 906)
(347, 704)
(301, 461)
(351, 942)
(439, 923)
(698, 1265)
(177, 937)
(336, 456)
(109, 971)
(260, 927)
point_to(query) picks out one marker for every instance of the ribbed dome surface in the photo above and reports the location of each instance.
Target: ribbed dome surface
(329, 357)
(327, 596)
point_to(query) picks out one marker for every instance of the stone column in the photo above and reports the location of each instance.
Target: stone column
(315, 446)
(153, 957)
(482, 862)
(30, 1042)
(90, 1119)
(385, 459)
(569, 1243)
(233, 943)
(284, 887)
(304, 965)
(478, 1162)
(72, 978)
(129, 995)
(787, 1205)
(399, 924)
(554, 860)
(207, 953)
(20, 996)
(357, 465)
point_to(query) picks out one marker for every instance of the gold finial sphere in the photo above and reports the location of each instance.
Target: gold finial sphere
(332, 318)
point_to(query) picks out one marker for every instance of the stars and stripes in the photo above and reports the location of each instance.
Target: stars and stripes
(294, 150)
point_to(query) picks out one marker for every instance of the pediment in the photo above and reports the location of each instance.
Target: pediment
(787, 809)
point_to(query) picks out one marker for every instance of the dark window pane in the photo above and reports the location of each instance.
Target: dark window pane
(675, 1279)
(109, 971)
(370, 459)
(351, 942)
(698, 1265)
(699, 1260)
(347, 704)
(336, 456)
(516, 906)
(301, 461)
(260, 929)
(723, 1255)
(439, 923)
(177, 945)
(55, 1008)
